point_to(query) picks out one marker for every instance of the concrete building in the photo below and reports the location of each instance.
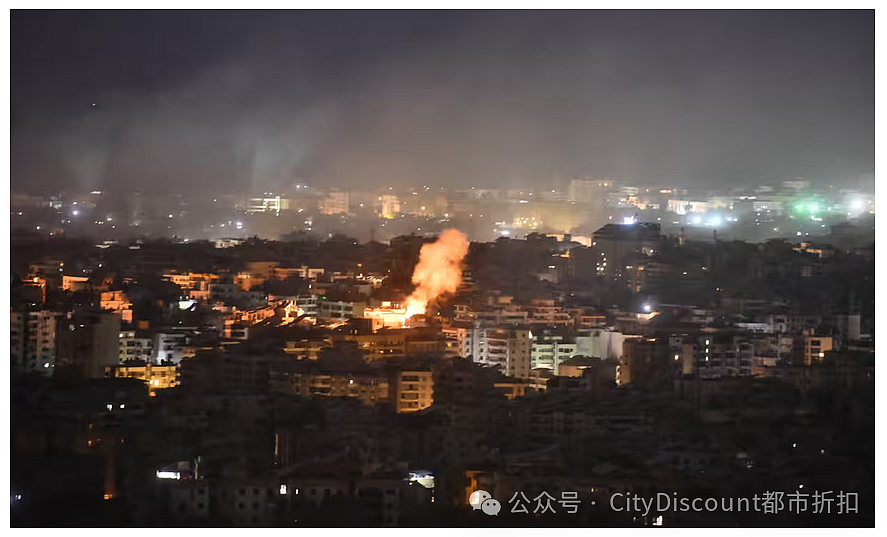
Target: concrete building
(368, 389)
(119, 302)
(339, 309)
(307, 305)
(412, 390)
(169, 346)
(273, 204)
(606, 344)
(505, 347)
(620, 245)
(397, 342)
(724, 355)
(230, 293)
(548, 312)
(307, 349)
(515, 389)
(192, 280)
(549, 350)
(389, 205)
(336, 201)
(646, 362)
(88, 341)
(157, 377)
(32, 340)
(75, 283)
(683, 206)
(810, 349)
(135, 345)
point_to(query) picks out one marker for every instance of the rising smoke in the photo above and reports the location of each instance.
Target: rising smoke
(439, 270)
(262, 100)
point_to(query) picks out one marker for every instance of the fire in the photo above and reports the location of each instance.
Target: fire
(438, 272)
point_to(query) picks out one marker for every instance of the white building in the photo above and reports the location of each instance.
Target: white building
(507, 348)
(689, 206)
(273, 204)
(603, 344)
(135, 347)
(169, 346)
(307, 304)
(549, 351)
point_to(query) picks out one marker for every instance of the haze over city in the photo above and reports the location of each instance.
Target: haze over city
(462, 269)
(253, 101)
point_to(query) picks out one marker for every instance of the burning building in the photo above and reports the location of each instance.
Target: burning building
(438, 273)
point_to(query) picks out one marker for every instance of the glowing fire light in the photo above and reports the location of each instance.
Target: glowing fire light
(438, 272)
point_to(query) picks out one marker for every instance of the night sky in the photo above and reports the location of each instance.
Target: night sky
(240, 100)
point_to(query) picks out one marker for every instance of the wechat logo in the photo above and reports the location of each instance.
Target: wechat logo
(481, 499)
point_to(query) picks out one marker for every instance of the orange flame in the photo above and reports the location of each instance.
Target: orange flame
(438, 272)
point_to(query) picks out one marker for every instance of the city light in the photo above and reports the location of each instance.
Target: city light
(359, 340)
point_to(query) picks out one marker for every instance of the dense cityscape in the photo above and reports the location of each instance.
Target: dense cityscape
(227, 379)
(311, 346)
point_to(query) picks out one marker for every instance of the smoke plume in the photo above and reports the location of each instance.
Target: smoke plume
(439, 270)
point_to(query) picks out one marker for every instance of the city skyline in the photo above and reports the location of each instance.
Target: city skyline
(454, 269)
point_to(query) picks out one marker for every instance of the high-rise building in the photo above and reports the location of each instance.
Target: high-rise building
(336, 201)
(724, 355)
(508, 348)
(810, 349)
(33, 341)
(273, 204)
(135, 346)
(619, 247)
(88, 341)
(389, 205)
(549, 350)
(646, 362)
(412, 390)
